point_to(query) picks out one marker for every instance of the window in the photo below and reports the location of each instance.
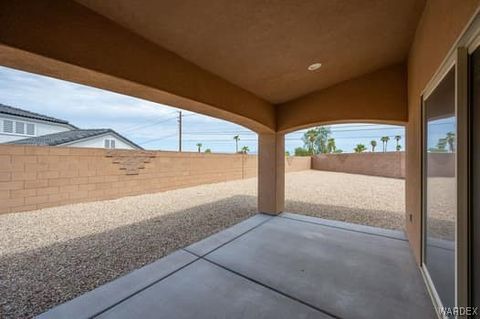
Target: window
(109, 143)
(7, 126)
(18, 127)
(30, 129)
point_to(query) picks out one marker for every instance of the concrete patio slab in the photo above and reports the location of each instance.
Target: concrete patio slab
(108, 295)
(395, 234)
(346, 273)
(203, 290)
(211, 243)
(269, 267)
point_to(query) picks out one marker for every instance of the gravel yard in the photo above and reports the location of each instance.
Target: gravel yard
(52, 255)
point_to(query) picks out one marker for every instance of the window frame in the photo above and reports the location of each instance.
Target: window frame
(15, 124)
(458, 55)
(109, 143)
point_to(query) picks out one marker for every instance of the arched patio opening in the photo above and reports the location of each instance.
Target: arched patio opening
(357, 173)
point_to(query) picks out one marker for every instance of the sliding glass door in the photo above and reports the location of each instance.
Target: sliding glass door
(440, 189)
(451, 179)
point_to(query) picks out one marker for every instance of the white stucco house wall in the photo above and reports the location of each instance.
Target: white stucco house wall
(19, 126)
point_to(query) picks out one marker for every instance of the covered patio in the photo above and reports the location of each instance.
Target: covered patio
(276, 67)
(285, 266)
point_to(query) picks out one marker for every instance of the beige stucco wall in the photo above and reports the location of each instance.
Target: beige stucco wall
(380, 96)
(36, 177)
(56, 38)
(441, 24)
(388, 164)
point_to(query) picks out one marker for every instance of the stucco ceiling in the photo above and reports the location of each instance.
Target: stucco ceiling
(265, 47)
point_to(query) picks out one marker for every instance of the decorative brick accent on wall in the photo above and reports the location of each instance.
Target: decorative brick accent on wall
(37, 177)
(388, 164)
(131, 162)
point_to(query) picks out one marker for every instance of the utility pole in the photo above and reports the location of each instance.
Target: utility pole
(179, 131)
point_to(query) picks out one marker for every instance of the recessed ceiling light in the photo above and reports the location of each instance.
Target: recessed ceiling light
(314, 66)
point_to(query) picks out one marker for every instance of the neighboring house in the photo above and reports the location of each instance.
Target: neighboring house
(97, 138)
(18, 126)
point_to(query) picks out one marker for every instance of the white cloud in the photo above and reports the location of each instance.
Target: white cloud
(142, 120)
(88, 107)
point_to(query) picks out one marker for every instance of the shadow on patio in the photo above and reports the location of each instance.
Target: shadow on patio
(38, 279)
(283, 267)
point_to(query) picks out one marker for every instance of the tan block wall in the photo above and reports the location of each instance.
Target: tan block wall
(297, 163)
(389, 164)
(38, 177)
(441, 164)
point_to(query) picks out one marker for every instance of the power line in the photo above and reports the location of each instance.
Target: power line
(348, 137)
(374, 127)
(253, 133)
(143, 122)
(291, 138)
(148, 125)
(224, 141)
(352, 128)
(221, 131)
(215, 134)
(157, 139)
(333, 130)
(224, 132)
(340, 126)
(287, 138)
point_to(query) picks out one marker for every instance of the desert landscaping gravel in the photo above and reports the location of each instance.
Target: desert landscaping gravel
(52, 255)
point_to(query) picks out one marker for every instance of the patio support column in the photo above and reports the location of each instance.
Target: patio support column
(271, 173)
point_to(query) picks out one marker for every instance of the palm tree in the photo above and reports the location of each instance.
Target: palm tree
(309, 138)
(451, 141)
(245, 149)
(385, 140)
(398, 138)
(441, 144)
(323, 134)
(236, 138)
(331, 147)
(359, 148)
(199, 147)
(373, 143)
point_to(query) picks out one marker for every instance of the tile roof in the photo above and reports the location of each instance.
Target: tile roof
(68, 137)
(10, 110)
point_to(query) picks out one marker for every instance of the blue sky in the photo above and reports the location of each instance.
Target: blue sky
(438, 129)
(152, 125)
